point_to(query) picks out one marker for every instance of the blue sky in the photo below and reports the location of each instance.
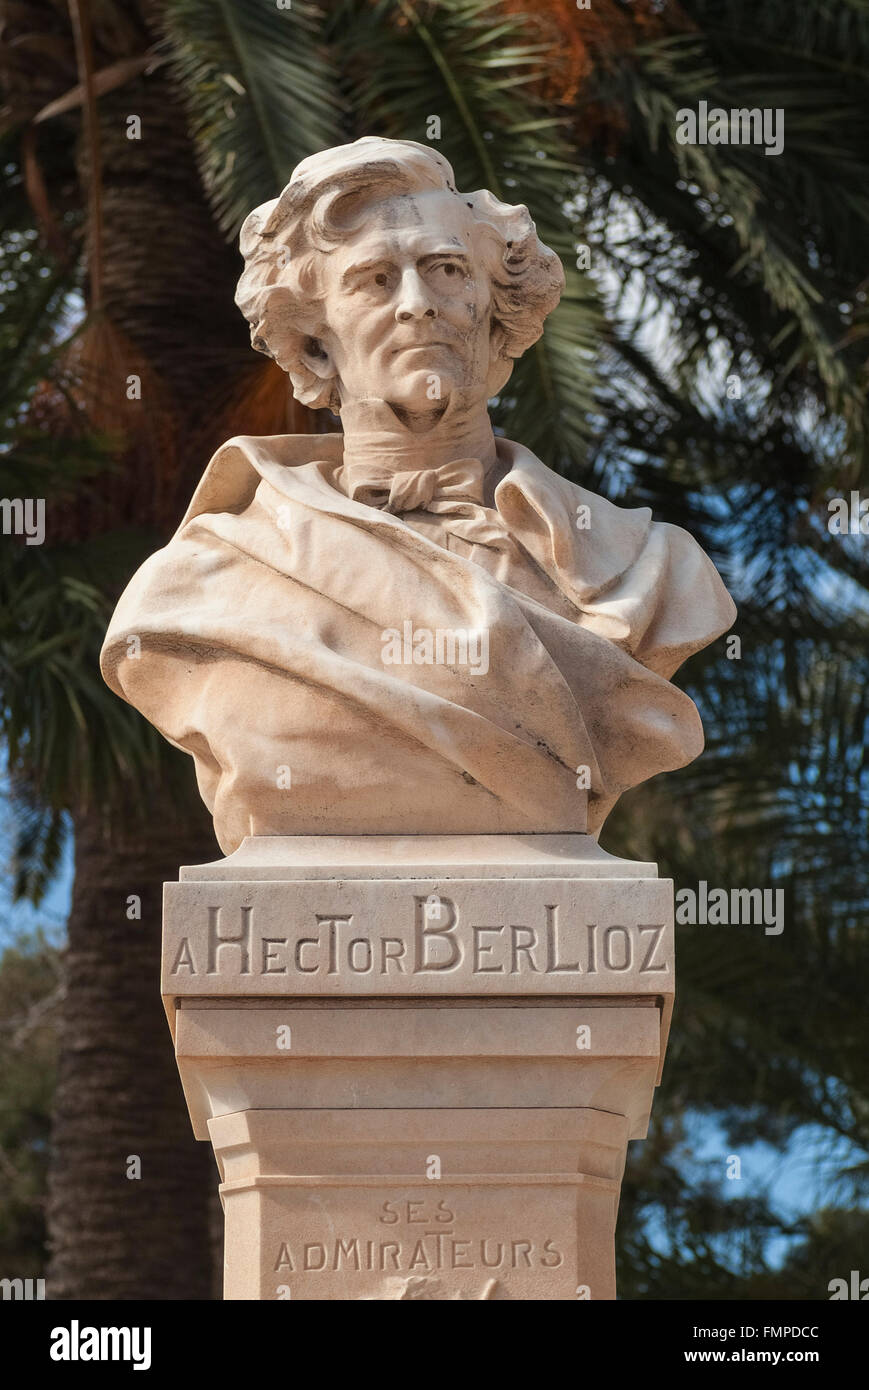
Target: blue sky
(20, 919)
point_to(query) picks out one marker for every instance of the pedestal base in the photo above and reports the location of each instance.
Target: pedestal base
(453, 1204)
(453, 1128)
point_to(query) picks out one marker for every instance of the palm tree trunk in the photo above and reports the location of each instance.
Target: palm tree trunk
(119, 1098)
(166, 285)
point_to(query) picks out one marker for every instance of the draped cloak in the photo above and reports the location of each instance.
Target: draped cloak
(260, 650)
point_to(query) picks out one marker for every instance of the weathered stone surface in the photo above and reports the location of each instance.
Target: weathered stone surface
(522, 1207)
(527, 1055)
(413, 626)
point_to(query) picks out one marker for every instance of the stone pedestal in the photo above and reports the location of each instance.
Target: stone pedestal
(419, 1061)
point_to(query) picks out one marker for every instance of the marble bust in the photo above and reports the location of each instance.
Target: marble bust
(412, 626)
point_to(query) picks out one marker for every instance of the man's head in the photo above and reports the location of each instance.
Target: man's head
(371, 277)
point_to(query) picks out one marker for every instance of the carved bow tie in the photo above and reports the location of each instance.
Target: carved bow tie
(454, 491)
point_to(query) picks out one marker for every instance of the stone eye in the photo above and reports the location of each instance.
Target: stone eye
(380, 278)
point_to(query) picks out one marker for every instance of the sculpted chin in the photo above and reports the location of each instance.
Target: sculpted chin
(413, 626)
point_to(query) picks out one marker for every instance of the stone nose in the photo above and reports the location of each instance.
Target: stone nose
(414, 299)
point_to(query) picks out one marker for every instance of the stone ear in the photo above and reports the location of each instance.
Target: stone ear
(306, 361)
(312, 372)
(280, 334)
(315, 358)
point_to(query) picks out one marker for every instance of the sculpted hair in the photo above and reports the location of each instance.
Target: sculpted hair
(283, 242)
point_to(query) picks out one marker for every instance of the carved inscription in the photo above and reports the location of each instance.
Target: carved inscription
(420, 1245)
(417, 937)
(434, 945)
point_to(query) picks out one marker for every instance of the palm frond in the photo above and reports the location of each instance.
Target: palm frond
(259, 88)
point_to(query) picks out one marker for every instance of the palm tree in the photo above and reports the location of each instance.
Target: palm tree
(135, 139)
(134, 237)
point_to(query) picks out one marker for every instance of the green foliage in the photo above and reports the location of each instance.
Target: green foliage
(52, 621)
(755, 263)
(55, 599)
(259, 87)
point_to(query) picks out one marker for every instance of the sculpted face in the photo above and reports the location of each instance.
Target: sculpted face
(407, 308)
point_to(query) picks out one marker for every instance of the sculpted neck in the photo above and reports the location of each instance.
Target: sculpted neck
(374, 435)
